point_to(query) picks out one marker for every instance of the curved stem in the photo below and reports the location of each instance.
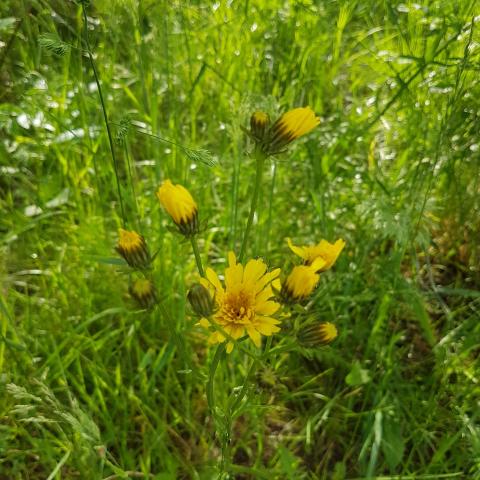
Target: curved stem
(196, 252)
(260, 157)
(104, 110)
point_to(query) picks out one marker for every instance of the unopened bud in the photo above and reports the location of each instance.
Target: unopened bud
(317, 335)
(259, 122)
(201, 301)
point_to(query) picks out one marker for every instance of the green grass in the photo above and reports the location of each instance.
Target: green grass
(93, 388)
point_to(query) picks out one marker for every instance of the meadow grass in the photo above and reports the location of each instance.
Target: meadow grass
(92, 387)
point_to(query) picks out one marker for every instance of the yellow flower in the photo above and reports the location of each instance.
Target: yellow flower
(290, 126)
(244, 304)
(301, 282)
(180, 205)
(318, 334)
(132, 247)
(327, 251)
(143, 291)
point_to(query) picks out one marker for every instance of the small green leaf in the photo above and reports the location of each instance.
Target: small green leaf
(357, 375)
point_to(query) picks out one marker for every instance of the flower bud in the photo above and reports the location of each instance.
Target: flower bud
(143, 291)
(201, 301)
(300, 283)
(133, 248)
(259, 122)
(180, 205)
(317, 335)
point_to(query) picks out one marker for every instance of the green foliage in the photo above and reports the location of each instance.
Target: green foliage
(91, 386)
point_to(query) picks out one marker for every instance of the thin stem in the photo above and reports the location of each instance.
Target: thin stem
(244, 389)
(270, 205)
(260, 157)
(196, 252)
(211, 378)
(104, 110)
(249, 375)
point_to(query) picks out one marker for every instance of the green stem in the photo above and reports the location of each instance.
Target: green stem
(270, 205)
(104, 110)
(260, 157)
(196, 252)
(244, 389)
(248, 377)
(211, 378)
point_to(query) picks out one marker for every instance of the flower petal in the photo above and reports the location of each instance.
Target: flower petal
(300, 251)
(253, 271)
(254, 335)
(203, 322)
(213, 279)
(267, 308)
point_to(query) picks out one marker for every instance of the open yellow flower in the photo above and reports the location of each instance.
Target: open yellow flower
(132, 247)
(180, 205)
(327, 251)
(317, 334)
(290, 126)
(244, 304)
(301, 282)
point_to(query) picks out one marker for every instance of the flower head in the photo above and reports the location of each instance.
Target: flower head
(301, 282)
(143, 291)
(244, 304)
(317, 335)
(180, 205)
(290, 126)
(133, 248)
(327, 251)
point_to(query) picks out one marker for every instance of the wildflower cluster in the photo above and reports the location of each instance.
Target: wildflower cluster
(251, 299)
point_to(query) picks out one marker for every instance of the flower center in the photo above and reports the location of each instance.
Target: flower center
(238, 307)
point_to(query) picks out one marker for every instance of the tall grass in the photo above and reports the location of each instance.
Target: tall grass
(91, 386)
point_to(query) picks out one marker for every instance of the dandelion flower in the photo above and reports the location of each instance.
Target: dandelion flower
(180, 205)
(290, 126)
(133, 248)
(244, 304)
(317, 335)
(143, 291)
(301, 282)
(327, 251)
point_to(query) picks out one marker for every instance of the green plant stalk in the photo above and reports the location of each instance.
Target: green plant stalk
(219, 352)
(244, 389)
(211, 378)
(270, 205)
(260, 158)
(104, 110)
(249, 375)
(196, 252)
